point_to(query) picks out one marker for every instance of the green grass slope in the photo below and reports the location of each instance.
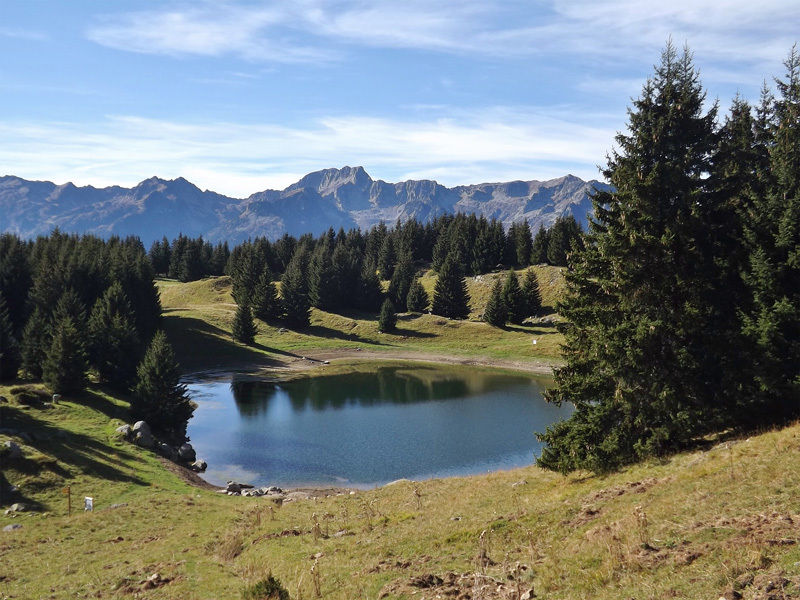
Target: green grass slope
(198, 317)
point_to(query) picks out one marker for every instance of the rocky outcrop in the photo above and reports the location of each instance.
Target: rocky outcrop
(141, 435)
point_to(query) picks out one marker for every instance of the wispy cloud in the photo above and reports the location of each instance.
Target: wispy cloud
(236, 159)
(22, 34)
(313, 30)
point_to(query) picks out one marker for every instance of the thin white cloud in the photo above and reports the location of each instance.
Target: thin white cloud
(238, 160)
(22, 34)
(314, 30)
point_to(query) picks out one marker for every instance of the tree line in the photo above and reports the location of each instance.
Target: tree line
(74, 305)
(344, 270)
(682, 312)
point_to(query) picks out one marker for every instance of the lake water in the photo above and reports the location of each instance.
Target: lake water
(368, 428)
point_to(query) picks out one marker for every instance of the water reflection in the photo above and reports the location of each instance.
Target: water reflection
(367, 428)
(387, 385)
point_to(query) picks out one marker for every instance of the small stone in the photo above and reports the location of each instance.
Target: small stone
(18, 507)
(124, 430)
(199, 466)
(14, 451)
(12, 527)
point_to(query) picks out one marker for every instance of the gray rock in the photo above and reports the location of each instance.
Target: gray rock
(186, 453)
(12, 527)
(124, 430)
(199, 466)
(233, 487)
(144, 439)
(168, 451)
(141, 426)
(14, 450)
(18, 507)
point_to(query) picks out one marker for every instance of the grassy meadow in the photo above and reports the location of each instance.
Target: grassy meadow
(720, 521)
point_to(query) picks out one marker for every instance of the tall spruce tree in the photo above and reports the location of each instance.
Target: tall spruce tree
(417, 300)
(266, 304)
(294, 290)
(243, 329)
(450, 295)
(387, 319)
(10, 358)
(539, 248)
(514, 299)
(647, 347)
(496, 313)
(64, 368)
(113, 344)
(531, 293)
(159, 397)
(773, 275)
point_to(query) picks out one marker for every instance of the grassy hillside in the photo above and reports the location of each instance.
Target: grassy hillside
(697, 525)
(722, 521)
(198, 316)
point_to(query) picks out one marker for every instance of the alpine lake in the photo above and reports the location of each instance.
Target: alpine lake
(368, 426)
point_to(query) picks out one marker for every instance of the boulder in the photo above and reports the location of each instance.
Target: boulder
(144, 438)
(199, 466)
(186, 453)
(233, 488)
(14, 451)
(125, 430)
(141, 426)
(12, 527)
(168, 452)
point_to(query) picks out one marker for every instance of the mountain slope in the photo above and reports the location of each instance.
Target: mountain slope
(346, 197)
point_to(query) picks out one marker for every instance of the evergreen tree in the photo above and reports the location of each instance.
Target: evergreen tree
(243, 328)
(774, 270)
(245, 269)
(387, 319)
(523, 243)
(646, 347)
(370, 289)
(16, 279)
(322, 283)
(35, 344)
(387, 257)
(565, 232)
(176, 264)
(540, 244)
(401, 280)
(266, 305)
(450, 295)
(513, 299)
(294, 291)
(10, 359)
(113, 344)
(417, 300)
(159, 398)
(496, 313)
(159, 255)
(64, 367)
(531, 293)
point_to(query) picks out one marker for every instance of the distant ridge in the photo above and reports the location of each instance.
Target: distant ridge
(346, 197)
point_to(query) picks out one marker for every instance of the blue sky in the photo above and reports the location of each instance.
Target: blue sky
(242, 96)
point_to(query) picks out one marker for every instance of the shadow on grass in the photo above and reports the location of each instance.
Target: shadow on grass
(200, 345)
(68, 453)
(410, 333)
(334, 334)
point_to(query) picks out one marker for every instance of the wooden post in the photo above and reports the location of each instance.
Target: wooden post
(67, 491)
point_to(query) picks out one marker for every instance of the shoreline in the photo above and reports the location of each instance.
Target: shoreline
(319, 358)
(297, 363)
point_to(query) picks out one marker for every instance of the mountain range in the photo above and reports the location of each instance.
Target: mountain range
(346, 197)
